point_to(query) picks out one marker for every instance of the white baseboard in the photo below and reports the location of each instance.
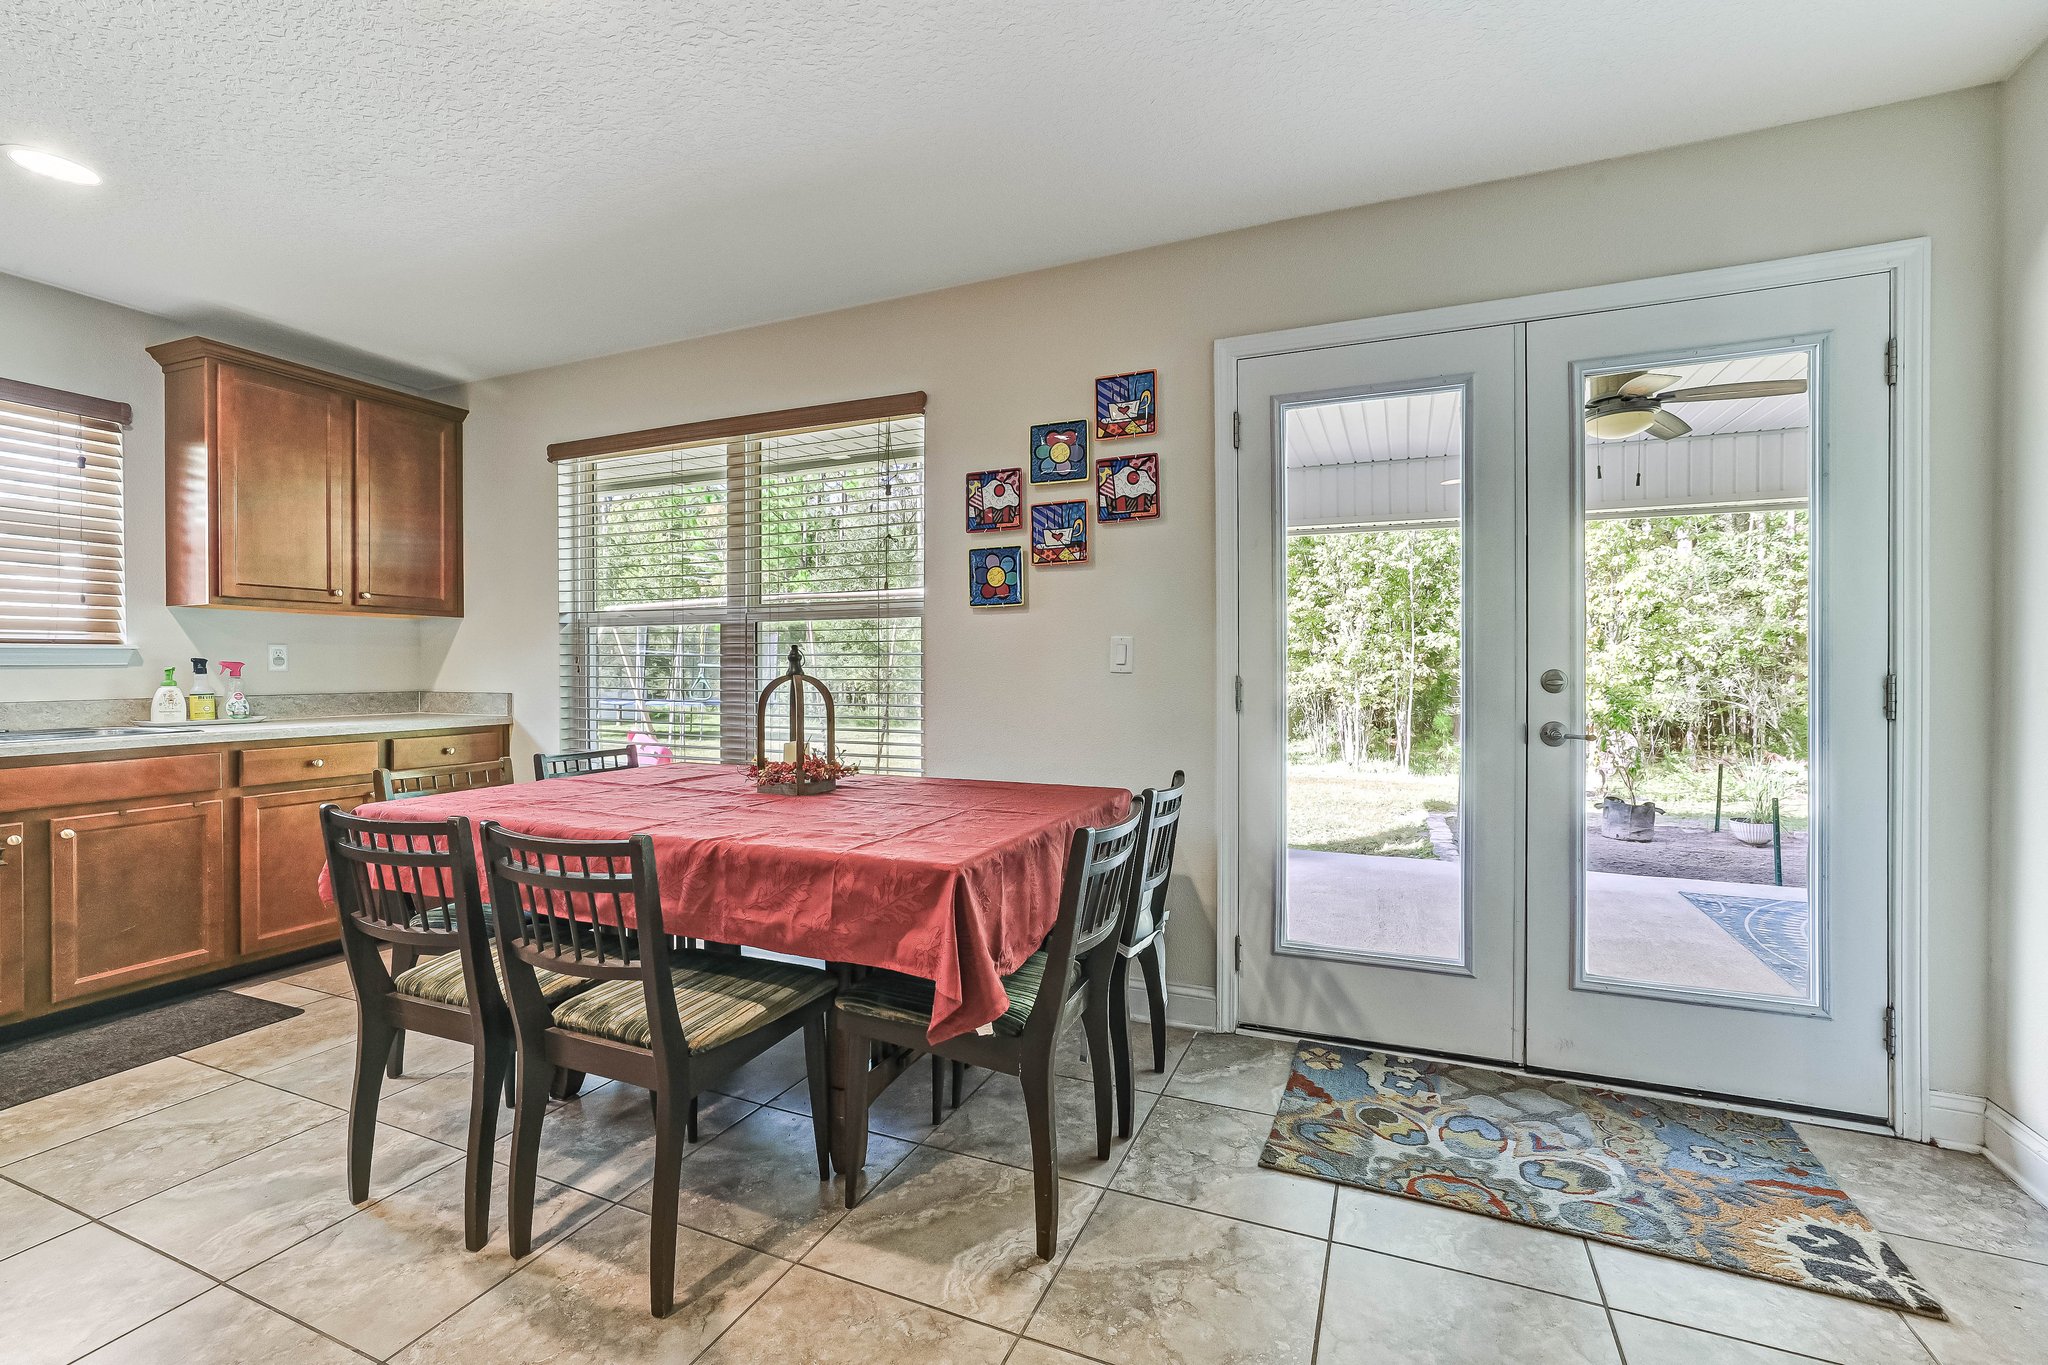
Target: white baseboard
(1955, 1122)
(2017, 1150)
(1188, 1006)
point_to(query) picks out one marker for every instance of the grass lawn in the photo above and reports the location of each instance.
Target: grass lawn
(1335, 809)
(1685, 792)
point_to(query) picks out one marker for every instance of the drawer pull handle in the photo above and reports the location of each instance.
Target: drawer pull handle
(448, 749)
(14, 841)
(316, 762)
(67, 834)
(337, 592)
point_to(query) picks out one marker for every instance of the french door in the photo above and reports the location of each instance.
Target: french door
(1565, 649)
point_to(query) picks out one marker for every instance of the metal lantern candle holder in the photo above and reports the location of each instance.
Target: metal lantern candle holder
(795, 680)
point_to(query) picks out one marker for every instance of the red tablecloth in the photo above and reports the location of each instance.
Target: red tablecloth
(950, 880)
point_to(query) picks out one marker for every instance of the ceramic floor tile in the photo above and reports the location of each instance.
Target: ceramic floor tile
(1472, 1242)
(27, 1218)
(603, 1140)
(1997, 1305)
(1792, 1319)
(56, 1119)
(220, 1327)
(1073, 1055)
(823, 1320)
(279, 992)
(769, 1074)
(45, 1319)
(954, 1232)
(902, 1111)
(230, 1218)
(1387, 1311)
(330, 979)
(389, 1272)
(329, 1076)
(1150, 1282)
(1935, 1195)
(1234, 1069)
(320, 1027)
(1038, 1353)
(1646, 1341)
(1207, 1157)
(992, 1124)
(112, 1169)
(584, 1302)
(757, 1183)
(436, 1108)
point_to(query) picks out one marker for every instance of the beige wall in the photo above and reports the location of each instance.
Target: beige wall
(2019, 856)
(67, 341)
(997, 357)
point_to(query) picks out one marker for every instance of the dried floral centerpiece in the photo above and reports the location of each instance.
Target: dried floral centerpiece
(801, 772)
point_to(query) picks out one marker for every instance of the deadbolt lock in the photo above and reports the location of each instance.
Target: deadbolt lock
(1552, 680)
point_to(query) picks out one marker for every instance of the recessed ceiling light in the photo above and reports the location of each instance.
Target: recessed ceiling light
(52, 165)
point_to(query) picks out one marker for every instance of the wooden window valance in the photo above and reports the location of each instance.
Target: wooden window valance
(820, 415)
(59, 400)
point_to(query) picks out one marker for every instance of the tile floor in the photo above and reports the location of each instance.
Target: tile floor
(192, 1211)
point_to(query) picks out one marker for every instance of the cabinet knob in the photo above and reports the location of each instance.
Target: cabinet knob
(14, 841)
(316, 762)
(67, 834)
(449, 749)
(364, 596)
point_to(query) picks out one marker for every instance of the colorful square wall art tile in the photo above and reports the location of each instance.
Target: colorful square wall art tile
(1059, 452)
(1059, 533)
(995, 500)
(995, 576)
(1126, 487)
(1126, 405)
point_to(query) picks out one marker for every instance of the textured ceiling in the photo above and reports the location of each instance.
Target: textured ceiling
(467, 189)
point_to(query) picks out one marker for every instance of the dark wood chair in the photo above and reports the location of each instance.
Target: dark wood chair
(1144, 940)
(1068, 978)
(669, 1019)
(546, 766)
(399, 784)
(412, 885)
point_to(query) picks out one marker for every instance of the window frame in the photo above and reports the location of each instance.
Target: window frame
(113, 419)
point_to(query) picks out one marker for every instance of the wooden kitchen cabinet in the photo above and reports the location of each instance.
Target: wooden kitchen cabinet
(282, 855)
(13, 920)
(136, 894)
(293, 489)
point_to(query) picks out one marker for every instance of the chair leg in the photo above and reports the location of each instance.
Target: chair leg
(1095, 1018)
(1120, 1043)
(404, 957)
(817, 1067)
(1153, 960)
(938, 1090)
(530, 1110)
(373, 1045)
(690, 1125)
(1045, 1151)
(669, 1140)
(959, 1081)
(850, 1114)
(486, 1084)
(567, 1085)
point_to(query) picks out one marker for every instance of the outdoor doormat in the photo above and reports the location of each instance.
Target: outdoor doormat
(1714, 1186)
(49, 1062)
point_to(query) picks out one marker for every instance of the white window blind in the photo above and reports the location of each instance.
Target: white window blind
(687, 572)
(60, 517)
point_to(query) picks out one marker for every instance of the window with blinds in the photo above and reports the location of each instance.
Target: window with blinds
(690, 566)
(60, 517)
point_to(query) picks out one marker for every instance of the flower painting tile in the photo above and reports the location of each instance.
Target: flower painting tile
(1126, 405)
(995, 576)
(1059, 533)
(1059, 452)
(995, 500)
(1126, 487)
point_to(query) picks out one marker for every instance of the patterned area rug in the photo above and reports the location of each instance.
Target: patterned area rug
(1773, 928)
(1735, 1191)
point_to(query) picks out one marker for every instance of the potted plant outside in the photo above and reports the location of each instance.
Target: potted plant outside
(1620, 759)
(1757, 823)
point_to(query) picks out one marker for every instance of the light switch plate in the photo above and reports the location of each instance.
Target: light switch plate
(1120, 657)
(279, 659)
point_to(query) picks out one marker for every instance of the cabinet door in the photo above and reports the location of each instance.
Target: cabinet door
(408, 510)
(281, 860)
(286, 457)
(13, 922)
(136, 895)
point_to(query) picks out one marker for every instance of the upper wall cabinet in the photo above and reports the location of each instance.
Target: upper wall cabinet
(298, 490)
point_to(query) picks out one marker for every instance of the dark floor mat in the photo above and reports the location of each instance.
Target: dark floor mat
(50, 1062)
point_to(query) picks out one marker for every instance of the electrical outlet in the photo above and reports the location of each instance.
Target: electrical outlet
(279, 659)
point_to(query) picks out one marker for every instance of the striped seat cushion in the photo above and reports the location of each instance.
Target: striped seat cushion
(439, 979)
(908, 999)
(718, 999)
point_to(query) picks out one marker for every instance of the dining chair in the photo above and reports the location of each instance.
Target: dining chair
(1068, 978)
(402, 783)
(1144, 939)
(669, 1019)
(412, 885)
(546, 766)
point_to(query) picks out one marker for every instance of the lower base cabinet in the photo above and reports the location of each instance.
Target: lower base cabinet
(13, 920)
(135, 895)
(281, 859)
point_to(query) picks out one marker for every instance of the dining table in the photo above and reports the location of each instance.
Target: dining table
(953, 880)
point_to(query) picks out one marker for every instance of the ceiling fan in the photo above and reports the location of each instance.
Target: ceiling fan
(1632, 402)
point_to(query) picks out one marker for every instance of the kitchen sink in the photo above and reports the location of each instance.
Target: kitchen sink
(93, 732)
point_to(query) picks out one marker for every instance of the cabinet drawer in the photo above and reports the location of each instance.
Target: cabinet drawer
(441, 751)
(119, 779)
(306, 762)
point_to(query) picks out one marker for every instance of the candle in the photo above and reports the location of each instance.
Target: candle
(792, 752)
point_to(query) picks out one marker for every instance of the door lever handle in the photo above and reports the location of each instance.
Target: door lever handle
(1553, 733)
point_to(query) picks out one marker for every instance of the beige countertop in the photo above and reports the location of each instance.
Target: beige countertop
(222, 732)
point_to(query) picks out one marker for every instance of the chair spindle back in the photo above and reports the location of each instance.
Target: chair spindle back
(409, 882)
(403, 783)
(546, 766)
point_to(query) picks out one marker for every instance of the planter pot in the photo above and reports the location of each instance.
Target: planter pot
(797, 788)
(1751, 833)
(1635, 824)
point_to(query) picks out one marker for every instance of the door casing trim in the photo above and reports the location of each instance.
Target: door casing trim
(1909, 263)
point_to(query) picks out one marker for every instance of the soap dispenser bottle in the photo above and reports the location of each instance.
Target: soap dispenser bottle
(167, 707)
(236, 705)
(199, 703)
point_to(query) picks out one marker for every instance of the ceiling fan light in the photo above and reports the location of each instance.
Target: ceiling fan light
(49, 163)
(1617, 426)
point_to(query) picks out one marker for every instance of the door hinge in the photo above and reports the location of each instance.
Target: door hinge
(1236, 431)
(1891, 696)
(1240, 694)
(1891, 361)
(1240, 955)
(1891, 1042)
